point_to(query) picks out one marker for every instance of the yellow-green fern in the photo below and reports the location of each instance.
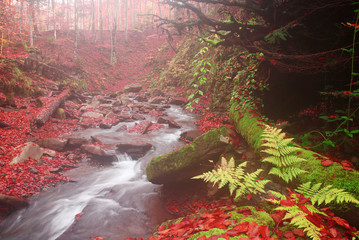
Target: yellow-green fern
(238, 181)
(281, 153)
(326, 194)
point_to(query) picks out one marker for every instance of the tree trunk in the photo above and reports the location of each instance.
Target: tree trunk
(48, 16)
(49, 109)
(54, 17)
(76, 30)
(93, 15)
(101, 21)
(31, 25)
(126, 20)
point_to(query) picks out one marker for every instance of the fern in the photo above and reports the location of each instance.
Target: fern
(326, 194)
(282, 154)
(238, 181)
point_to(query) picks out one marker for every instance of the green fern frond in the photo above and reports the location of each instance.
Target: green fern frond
(326, 194)
(235, 177)
(282, 154)
(298, 218)
(277, 195)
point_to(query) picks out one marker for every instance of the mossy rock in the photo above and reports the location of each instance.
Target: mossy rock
(190, 160)
(60, 114)
(251, 129)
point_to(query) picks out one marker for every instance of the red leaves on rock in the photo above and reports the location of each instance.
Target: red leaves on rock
(347, 165)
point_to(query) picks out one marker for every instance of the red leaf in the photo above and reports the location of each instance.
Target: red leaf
(161, 228)
(249, 196)
(289, 234)
(253, 230)
(278, 216)
(299, 232)
(264, 231)
(342, 222)
(279, 233)
(304, 209)
(287, 203)
(347, 165)
(326, 162)
(333, 232)
(315, 220)
(202, 238)
(245, 211)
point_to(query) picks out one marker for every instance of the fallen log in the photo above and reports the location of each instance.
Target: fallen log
(49, 109)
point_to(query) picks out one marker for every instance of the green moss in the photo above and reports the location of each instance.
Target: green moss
(189, 160)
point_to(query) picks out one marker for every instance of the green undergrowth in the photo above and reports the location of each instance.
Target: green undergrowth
(13, 82)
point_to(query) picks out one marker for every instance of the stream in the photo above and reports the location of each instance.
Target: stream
(113, 200)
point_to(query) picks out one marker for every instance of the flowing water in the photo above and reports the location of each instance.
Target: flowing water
(112, 201)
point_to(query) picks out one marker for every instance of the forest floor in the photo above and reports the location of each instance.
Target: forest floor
(136, 62)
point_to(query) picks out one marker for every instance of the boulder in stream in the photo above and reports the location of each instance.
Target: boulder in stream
(52, 143)
(190, 160)
(135, 150)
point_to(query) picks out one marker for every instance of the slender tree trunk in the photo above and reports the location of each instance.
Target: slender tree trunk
(76, 30)
(113, 35)
(21, 17)
(54, 17)
(101, 21)
(126, 20)
(93, 15)
(68, 15)
(31, 25)
(48, 16)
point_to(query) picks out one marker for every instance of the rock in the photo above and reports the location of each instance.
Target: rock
(73, 143)
(141, 98)
(157, 100)
(136, 150)
(138, 117)
(105, 126)
(12, 202)
(49, 152)
(157, 92)
(189, 136)
(94, 150)
(4, 124)
(171, 123)
(178, 101)
(92, 114)
(141, 128)
(125, 100)
(117, 103)
(52, 143)
(133, 88)
(29, 150)
(60, 114)
(190, 160)
(122, 128)
(32, 170)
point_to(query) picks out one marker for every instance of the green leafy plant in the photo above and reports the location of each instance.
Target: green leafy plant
(238, 181)
(325, 195)
(281, 153)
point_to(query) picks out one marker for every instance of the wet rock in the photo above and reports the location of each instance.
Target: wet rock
(92, 114)
(29, 150)
(133, 88)
(52, 143)
(189, 136)
(122, 128)
(94, 150)
(157, 100)
(138, 117)
(190, 160)
(141, 128)
(73, 143)
(12, 202)
(178, 101)
(105, 126)
(171, 123)
(135, 150)
(95, 139)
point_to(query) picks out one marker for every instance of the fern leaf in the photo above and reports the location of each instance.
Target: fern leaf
(325, 195)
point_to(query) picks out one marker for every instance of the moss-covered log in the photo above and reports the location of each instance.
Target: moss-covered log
(251, 129)
(190, 160)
